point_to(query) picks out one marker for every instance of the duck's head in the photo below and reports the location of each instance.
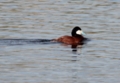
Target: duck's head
(77, 31)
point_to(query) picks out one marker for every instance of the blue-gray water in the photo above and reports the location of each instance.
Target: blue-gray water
(98, 61)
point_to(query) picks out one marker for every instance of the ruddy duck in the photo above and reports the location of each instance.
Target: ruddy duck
(76, 38)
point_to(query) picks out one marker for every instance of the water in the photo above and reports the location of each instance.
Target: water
(98, 61)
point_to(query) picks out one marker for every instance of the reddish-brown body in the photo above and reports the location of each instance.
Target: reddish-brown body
(70, 40)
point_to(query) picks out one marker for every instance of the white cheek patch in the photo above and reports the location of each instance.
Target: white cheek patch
(79, 32)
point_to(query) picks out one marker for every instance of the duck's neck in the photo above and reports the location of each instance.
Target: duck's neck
(80, 36)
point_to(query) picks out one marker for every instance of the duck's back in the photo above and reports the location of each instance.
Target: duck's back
(70, 40)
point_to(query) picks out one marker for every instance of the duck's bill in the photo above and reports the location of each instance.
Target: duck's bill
(82, 33)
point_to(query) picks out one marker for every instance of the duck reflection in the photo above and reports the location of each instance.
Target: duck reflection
(75, 47)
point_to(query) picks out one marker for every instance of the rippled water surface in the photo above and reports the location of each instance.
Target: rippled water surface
(98, 61)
